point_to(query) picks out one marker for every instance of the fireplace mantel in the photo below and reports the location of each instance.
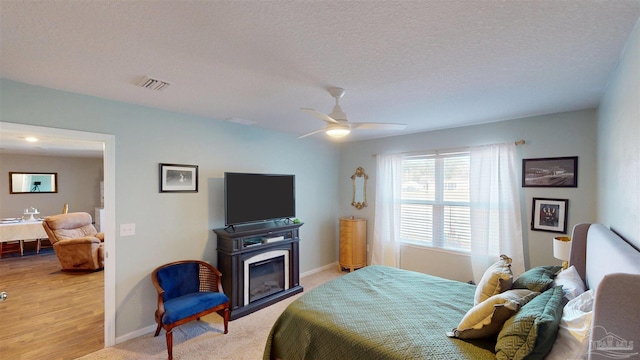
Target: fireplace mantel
(246, 242)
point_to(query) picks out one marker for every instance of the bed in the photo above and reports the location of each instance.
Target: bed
(385, 313)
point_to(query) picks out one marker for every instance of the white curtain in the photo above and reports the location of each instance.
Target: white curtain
(496, 226)
(386, 227)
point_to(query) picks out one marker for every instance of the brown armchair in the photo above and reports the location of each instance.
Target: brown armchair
(75, 241)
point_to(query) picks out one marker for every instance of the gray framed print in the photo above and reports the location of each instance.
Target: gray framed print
(178, 178)
(550, 172)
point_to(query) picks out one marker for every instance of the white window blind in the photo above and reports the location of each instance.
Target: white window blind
(435, 201)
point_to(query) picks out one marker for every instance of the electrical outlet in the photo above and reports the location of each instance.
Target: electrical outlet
(127, 229)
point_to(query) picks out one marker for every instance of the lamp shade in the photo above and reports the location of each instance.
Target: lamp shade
(561, 247)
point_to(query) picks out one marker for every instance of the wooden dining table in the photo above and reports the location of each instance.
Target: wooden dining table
(21, 231)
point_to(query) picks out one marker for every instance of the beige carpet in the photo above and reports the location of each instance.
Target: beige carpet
(204, 339)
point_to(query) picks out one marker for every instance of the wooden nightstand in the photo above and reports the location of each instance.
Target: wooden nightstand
(353, 243)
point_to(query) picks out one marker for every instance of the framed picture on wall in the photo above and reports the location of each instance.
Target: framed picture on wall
(550, 172)
(178, 178)
(549, 215)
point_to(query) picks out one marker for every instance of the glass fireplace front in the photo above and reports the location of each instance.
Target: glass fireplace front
(266, 274)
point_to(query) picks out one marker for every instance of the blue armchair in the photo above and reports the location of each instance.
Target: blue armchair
(187, 290)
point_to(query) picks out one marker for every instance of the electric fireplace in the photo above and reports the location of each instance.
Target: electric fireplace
(259, 264)
(265, 274)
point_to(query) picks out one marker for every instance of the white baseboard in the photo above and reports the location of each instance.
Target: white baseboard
(152, 328)
(317, 270)
(137, 333)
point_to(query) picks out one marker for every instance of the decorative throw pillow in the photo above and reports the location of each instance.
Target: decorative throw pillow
(571, 282)
(486, 319)
(496, 279)
(531, 332)
(537, 279)
(575, 328)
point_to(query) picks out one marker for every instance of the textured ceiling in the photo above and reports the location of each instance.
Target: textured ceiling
(430, 64)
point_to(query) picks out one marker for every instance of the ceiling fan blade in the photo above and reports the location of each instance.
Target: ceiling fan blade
(311, 133)
(320, 115)
(378, 126)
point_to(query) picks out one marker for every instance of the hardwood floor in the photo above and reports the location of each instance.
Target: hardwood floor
(49, 314)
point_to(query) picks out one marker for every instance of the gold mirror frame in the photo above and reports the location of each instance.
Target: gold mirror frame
(359, 188)
(32, 183)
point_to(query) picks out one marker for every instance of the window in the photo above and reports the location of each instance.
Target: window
(435, 201)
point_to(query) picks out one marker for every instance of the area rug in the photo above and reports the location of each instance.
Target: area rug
(204, 339)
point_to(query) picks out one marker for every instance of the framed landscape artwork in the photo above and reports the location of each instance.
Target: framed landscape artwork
(178, 178)
(549, 215)
(550, 172)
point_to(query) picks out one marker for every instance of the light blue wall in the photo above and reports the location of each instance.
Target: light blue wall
(173, 226)
(619, 145)
(564, 134)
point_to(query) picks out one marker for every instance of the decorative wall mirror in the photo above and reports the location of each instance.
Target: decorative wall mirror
(359, 188)
(30, 183)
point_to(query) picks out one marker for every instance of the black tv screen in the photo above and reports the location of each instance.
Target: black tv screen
(252, 198)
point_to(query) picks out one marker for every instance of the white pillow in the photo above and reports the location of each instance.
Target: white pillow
(486, 319)
(496, 279)
(572, 284)
(575, 327)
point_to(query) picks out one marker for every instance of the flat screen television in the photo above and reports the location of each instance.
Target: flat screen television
(251, 198)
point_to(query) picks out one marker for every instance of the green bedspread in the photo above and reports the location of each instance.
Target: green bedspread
(376, 313)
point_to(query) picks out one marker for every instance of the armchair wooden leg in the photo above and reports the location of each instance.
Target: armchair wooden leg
(226, 320)
(157, 330)
(170, 343)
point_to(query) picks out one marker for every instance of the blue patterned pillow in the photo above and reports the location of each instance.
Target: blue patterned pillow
(531, 332)
(537, 279)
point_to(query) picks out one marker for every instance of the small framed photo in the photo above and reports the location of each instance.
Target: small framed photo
(178, 178)
(549, 215)
(550, 172)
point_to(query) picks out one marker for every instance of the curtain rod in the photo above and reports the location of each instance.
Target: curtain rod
(518, 142)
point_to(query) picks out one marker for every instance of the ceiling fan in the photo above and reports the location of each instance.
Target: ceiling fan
(337, 123)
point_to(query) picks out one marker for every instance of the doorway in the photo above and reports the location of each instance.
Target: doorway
(108, 143)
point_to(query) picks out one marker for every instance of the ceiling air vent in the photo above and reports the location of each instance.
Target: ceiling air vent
(153, 84)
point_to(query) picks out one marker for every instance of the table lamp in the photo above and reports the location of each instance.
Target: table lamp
(562, 249)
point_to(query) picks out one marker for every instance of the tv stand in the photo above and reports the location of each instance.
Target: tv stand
(238, 247)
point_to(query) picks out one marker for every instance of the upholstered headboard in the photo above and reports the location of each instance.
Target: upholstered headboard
(611, 266)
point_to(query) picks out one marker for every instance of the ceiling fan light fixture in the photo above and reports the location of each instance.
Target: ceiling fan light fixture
(338, 132)
(337, 124)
